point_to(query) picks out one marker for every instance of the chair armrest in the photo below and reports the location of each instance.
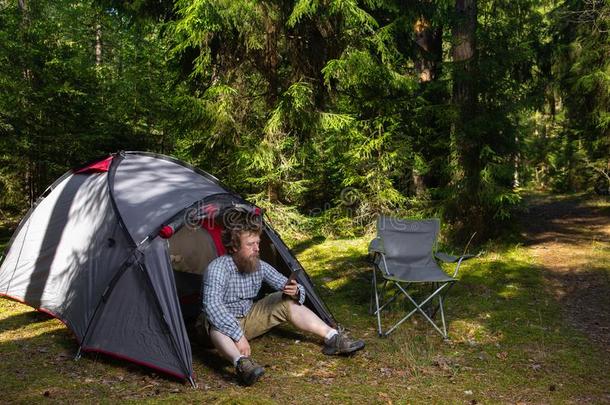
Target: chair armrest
(453, 259)
(447, 258)
(375, 246)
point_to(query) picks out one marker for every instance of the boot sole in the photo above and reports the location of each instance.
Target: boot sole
(254, 377)
(329, 351)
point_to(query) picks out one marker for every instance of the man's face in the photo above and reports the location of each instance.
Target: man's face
(246, 257)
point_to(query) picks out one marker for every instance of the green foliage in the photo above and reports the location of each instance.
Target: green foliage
(63, 105)
(580, 156)
(324, 109)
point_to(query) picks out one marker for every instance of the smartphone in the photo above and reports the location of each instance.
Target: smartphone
(293, 275)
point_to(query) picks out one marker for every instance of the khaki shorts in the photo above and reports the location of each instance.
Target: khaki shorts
(264, 315)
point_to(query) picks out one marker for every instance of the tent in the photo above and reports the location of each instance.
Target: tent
(115, 250)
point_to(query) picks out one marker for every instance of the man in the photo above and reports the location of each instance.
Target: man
(230, 285)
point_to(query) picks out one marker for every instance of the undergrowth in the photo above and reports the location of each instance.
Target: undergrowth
(509, 343)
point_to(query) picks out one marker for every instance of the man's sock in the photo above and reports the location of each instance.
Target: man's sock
(330, 335)
(235, 360)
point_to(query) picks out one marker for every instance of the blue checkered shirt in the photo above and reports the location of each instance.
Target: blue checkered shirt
(229, 294)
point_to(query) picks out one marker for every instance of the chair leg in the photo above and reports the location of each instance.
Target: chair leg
(375, 296)
(377, 302)
(439, 291)
(418, 307)
(440, 305)
(432, 308)
(388, 302)
(397, 324)
(380, 308)
(433, 312)
(371, 312)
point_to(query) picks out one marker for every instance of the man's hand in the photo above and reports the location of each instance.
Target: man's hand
(243, 346)
(291, 289)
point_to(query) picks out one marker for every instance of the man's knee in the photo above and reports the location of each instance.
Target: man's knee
(296, 310)
(218, 338)
(265, 314)
(278, 306)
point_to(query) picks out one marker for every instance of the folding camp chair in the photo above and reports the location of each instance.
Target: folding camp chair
(403, 253)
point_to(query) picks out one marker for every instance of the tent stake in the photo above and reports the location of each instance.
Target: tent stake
(78, 354)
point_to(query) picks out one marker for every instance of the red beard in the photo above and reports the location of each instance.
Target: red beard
(246, 264)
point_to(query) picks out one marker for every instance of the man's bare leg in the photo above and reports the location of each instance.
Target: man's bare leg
(307, 321)
(225, 346)
(334, 342)
(248, 371)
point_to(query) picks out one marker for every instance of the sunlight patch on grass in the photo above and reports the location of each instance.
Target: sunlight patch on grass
(598, 202)
(600, 246)
(508, 344)
(31, 330)
(323, 256)
(510, 291)
(467, 330)
(337, 283)
(13, 315)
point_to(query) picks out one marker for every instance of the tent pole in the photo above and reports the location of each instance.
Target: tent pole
(193, 383)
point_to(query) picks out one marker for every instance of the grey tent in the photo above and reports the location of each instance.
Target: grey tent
(115, 250)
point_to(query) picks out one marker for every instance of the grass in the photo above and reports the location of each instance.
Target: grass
(509, 344)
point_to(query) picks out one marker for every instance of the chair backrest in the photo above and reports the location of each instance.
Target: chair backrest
(408, 241)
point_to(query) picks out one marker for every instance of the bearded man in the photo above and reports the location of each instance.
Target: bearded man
(232, 318)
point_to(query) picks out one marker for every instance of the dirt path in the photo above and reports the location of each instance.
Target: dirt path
(570, 239)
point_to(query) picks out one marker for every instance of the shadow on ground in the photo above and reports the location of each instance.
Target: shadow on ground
(570, 238)
(563, 219)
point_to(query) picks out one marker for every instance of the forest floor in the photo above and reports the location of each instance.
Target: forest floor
(528, 323)
(570, 238)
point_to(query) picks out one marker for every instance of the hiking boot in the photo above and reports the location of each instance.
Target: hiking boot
(342, 344)
(248, 371)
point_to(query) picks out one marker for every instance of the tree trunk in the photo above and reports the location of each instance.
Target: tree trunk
(98, 44)
(23, 6)
(419, 186)
(430, 43)
(466, 141)
(464, 30)
(31, 155)
(429, 57)
(517, 163)
(464, 94)
(271, 57)
(271, 63)
(273, 192)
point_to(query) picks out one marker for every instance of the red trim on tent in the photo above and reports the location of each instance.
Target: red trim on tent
(115, 355)
(44, 311)
(97, 167)
(132, 360)
(215, 231)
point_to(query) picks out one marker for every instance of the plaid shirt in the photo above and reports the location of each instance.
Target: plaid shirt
(229, 294)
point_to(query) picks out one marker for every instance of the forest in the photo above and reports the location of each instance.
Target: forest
(491, 115)
(329, 111)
